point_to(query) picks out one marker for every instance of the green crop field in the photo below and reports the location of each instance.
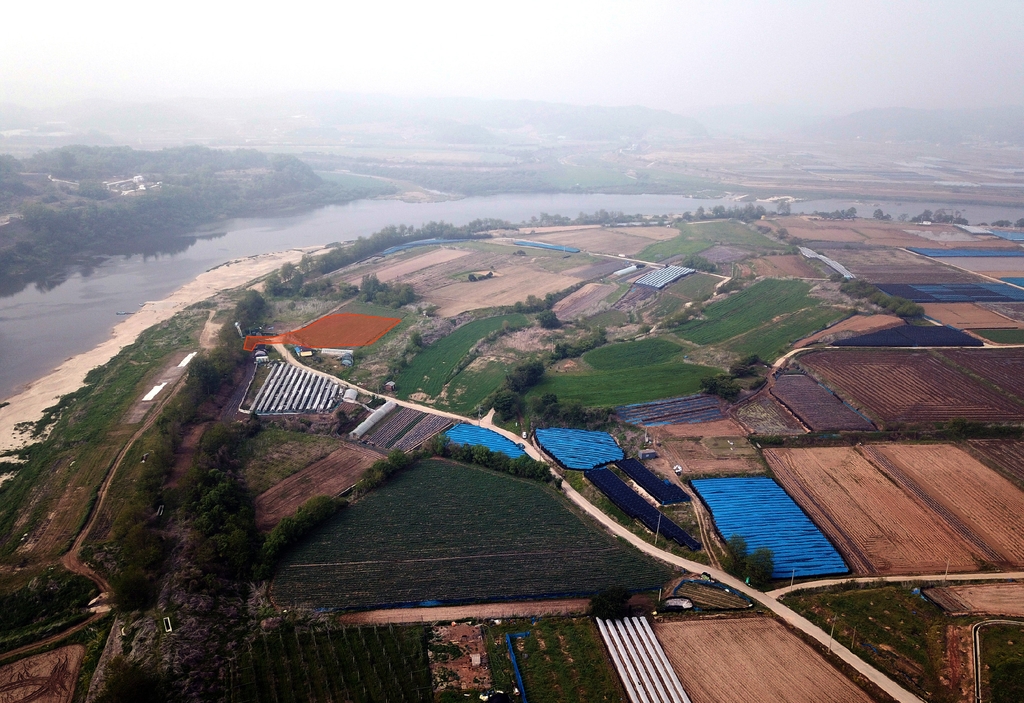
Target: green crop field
(449, 533)
(628, 355)
(774, 339)
(275, 454)
(1002, 336)
(1003, 658)
(431, 369)
(358, 664)
(625, 386)
(694, 286)
(750, 308)
(693, 239)
(562, 661)
(469, 388)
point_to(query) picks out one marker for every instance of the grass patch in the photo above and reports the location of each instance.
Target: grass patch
(608, 318)
(772, 340)
(746, 310)
(50, 603)
(275, 454)
(646, 352)
(433, 367)
(562, 661)
(696, 286)
(902, 634)
(1002, 654)
(1002, 336)
(624, 386)
(358, 664)
(471, 386)
(476, 535)
(694, 239)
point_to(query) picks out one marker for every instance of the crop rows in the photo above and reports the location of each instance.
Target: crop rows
(911, 387)
(426, 428)
(452, 533)
(387, 431)
(709, 597)
(1004, 368)
(688, 409)
(763, 415)
(1007, 454)
(358, 664)
(816, 405)
(746, 310)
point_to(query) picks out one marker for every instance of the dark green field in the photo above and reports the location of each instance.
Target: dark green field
(1002, 653)
(562, 661)
(1002, 336)
(747, 310)
(446, 532)
(773, 339)
(358, 664)
(693, 239)
(625, 355)
(433, 367)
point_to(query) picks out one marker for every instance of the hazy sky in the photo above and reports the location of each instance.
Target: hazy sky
(833, 56)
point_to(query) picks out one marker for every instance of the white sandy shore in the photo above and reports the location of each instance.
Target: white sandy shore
(29, 404)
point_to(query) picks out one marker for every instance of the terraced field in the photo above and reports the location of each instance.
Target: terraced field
(448, 533)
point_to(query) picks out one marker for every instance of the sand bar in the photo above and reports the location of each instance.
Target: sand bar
(28, 405)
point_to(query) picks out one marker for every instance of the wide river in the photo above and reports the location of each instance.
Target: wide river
(40, 329)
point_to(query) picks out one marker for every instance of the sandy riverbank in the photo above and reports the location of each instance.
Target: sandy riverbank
(28, 405)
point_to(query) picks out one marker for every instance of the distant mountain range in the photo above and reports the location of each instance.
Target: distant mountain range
(899, 124)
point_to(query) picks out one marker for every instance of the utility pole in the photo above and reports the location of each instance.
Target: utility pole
(836, 617)
(947, 572)
(791, 578)
(658, 531)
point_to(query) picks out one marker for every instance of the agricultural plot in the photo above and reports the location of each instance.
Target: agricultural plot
(330, 476)
(774, 339)
(357, 664)
(646, 352)
(512, 282)
(337, 331)
(701, 457)
(412, 264)
(914, 387)
(763, 415)
(1007, 454)
(688, 409)
(587, 300)
(877, 527)
(275, 454)
(44, 678)
(746, 310)
(816, 406)
(433, 367)
(1003, 368)
(750, 659)
(968, 316)
(989, 598)
(851, 326)
(933, 292)
(695, 238)
(448, 533)
(470, 387)
(604, 240)
(1002, 336)
(886, 265)
(988, 505)
(912, 336)
(787, 265)
(706, 595)
(759, 511)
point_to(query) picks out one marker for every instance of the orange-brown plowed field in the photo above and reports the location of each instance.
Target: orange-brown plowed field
(878, 528)
(988, 504)
(330, 476)
(585, 301)
(1007, 454)
(968, 316)
(750, 659)
(341, 330)
(911, 386)
(989, 598)
(787, 265)
(1004, 368)
(44, 678)
(858, 324)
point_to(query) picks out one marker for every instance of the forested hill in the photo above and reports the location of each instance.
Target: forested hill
(64, 214)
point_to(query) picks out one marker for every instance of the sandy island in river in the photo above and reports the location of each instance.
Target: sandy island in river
(28, 405)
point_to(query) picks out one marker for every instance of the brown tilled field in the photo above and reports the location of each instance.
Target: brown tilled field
(750, 659)
(606, 241)
(515, 279)
(764, 415)
(850, 327)
(881, 265)
(910, 386)
(1007, 454)
(330, 476)
(782, 266)
(44, 678)
(1003, 368)
(988, 504)
(878, 528)
(969, 316)
(816, 406)
(585, 301)
(412, 264)
(988, 265)
(698, 459)
(989, 598)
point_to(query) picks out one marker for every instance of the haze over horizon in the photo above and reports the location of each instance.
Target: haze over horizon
(689, 58)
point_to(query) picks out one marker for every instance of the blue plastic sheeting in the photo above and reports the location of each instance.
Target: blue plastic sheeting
(420, 243)
(763, 514)
(673, 411)
(579, 449)
(1013, 236)
(1014, 281)
(912, 336)
(543, 245)
(629, 502)
(955, 292)
(662, 490)
(482, 437)
(957, 253)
